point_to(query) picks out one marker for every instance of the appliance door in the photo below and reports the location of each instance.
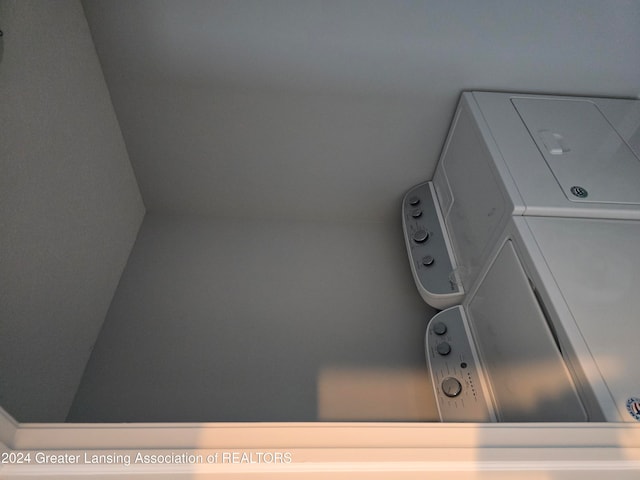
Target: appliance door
(596, 266)
(589, 159)
(475, 205)
(527, 376)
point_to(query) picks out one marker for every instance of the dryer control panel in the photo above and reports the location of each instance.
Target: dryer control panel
(430, 254)
(455, 372)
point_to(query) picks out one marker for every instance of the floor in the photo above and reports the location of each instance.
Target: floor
(230, 320)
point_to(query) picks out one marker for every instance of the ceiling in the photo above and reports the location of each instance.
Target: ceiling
(331, 109)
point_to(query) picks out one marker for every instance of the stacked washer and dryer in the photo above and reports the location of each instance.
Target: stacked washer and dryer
(529, 238)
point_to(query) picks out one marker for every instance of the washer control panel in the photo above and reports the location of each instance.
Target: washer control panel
(455, 373)
(430, 258)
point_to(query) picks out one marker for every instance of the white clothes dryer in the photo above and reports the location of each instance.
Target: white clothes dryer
(523, 155)
(549, 331)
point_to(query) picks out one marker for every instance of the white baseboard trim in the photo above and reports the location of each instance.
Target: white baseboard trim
(310, 450)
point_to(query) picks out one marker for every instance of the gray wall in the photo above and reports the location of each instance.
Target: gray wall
(255, 109)
(307, 110)
(331, 109)
(263, 320)
(69, 205)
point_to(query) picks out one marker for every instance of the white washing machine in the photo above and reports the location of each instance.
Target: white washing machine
(550, 330)
(523, 155)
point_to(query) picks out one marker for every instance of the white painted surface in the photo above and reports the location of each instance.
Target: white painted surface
(345, 450)
(228, 320)
(332, 109)
(596, 266)
(69, 206)
(8, 428)
(524, 368)
(603, 156)
(260, 154)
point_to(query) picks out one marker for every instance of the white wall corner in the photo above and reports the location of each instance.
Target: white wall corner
(8, 427)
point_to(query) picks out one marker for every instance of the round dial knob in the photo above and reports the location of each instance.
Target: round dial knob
(420, 236)
(414, 200)
(417, 213)
(443, 348)
(451, 387)
(439, 328)
(428, 261)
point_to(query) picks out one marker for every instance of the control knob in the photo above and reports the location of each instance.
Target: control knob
(451, 387)
(414, 200)
(439, 328)
(420, 236)
(443, 348)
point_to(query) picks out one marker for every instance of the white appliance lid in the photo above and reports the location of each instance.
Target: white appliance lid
(590, 160)
(596, 264)
(528, 377)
